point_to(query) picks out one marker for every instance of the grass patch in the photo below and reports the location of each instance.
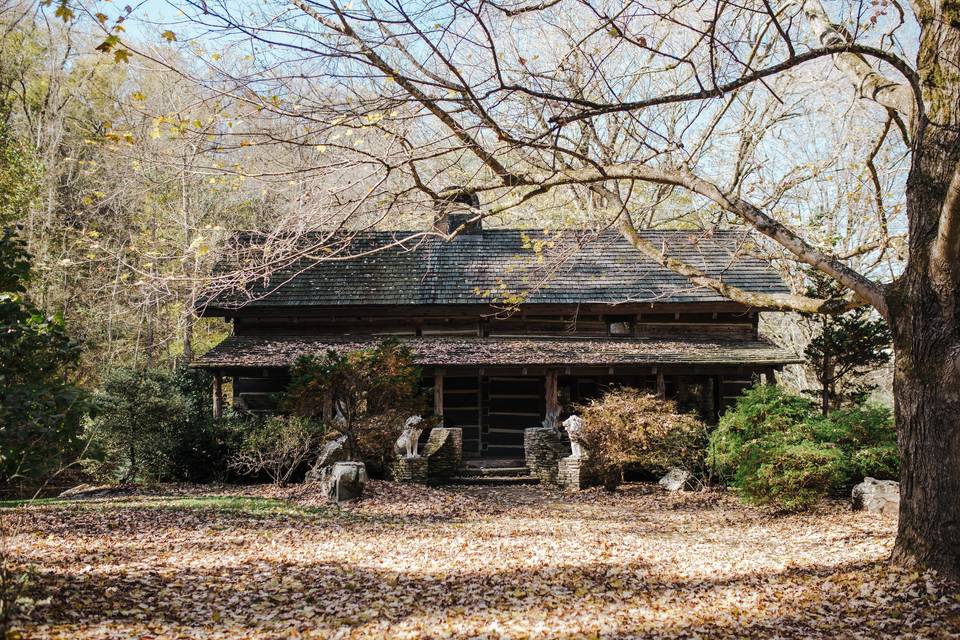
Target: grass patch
(243, 505)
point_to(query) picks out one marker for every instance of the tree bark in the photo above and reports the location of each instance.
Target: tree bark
(925, 321)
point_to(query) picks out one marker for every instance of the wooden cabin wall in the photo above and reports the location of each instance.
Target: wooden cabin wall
(258, 390)
(659, 325)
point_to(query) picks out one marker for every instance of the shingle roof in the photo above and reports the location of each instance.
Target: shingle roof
(282, 351)
(500, 265)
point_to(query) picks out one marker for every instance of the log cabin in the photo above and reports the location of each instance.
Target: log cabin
(509, 325)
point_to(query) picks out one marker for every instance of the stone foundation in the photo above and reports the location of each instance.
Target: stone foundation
(571, 474)
(408, 469)
(543, 449)
(444, 453)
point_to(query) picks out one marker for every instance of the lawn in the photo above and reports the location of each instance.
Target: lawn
(513, 562)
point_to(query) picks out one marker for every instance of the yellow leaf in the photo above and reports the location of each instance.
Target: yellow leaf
(138, 95)
(64, 12)
(169, 36)
(121, 55)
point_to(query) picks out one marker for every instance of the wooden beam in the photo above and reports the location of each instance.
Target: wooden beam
(217, 394)
(438, 394)
(551, 392)
(768, 376)
(661, 386)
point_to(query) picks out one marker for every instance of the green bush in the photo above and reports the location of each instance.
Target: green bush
(776, 448)
(156, 424)
(791, 476)
(202, 447)
(629, 427)
(40, 409)
(763, 416)
(882, 462)
(140, 415)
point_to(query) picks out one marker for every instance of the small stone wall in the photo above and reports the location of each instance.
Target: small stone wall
(543, 449)
(444, 452)
(572, 475)
(408, 469)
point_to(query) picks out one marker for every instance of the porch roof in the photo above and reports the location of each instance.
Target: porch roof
(282, 351)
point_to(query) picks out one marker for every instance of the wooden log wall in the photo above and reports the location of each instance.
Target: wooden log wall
(480, 322)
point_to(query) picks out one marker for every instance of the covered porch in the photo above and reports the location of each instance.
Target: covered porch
(494, 388)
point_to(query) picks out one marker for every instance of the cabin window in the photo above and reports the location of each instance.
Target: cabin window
(619, 326)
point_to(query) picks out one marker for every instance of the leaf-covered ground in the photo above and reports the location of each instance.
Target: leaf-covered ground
(513, 562)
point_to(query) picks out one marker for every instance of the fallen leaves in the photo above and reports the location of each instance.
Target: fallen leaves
(480, 562)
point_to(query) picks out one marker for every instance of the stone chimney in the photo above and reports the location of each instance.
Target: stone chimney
(460, 209)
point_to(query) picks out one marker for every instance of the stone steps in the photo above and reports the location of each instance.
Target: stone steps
(494, 480)
(493, 472)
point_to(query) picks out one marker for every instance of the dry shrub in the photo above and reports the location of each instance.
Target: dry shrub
(629, 427)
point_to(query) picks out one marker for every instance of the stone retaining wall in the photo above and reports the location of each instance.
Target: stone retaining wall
(444, 452)
(572, 475)
(408, 469)
(543, 449)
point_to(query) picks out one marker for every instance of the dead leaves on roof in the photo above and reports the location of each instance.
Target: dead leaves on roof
(511, 562)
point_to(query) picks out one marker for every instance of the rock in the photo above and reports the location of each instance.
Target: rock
(90, 491)
(877, 496)
(333, 451)
(344, 481)
(676, 479)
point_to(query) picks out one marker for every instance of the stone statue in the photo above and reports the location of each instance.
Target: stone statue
(573, 425)
(409, 440)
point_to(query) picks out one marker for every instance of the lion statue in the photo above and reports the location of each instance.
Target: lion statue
(409, 440)
(573, 426)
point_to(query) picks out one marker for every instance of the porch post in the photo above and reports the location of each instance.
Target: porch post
(661, 386)
(553, 399)
(438, 393)
(217, 394)
(768, 376)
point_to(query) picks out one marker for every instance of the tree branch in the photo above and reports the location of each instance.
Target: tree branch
(872, 85)
(869, 83)
(865, 289)
(778, 302)
(945, 253)
(508, 178)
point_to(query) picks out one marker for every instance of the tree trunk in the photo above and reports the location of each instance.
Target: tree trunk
(825, 385)
(924, 308)
(927, 392)
(187, 321)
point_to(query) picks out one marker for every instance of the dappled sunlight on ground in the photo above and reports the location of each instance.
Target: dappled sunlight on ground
(517, 562)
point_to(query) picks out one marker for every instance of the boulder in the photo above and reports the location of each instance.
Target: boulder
(333, 451)
(877, 496)
(676, 479)
(344, 481)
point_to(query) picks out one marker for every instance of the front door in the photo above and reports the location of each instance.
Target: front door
(510, 405)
